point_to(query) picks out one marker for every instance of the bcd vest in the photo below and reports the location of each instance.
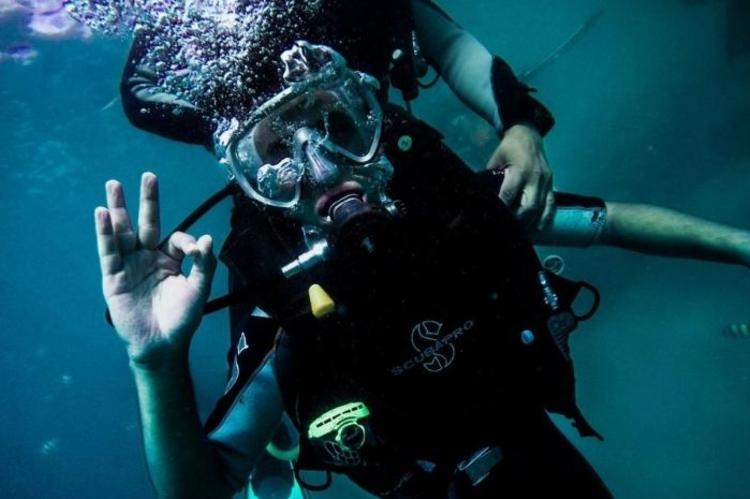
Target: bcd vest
(443, 330)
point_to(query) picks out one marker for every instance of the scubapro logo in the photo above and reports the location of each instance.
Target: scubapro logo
(435, 349)
(424, 337)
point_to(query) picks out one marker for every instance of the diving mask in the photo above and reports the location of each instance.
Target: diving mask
(327, 120)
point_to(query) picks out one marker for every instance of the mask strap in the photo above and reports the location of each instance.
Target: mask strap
(228, 190)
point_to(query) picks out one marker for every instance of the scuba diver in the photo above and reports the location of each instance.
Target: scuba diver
(421, 342)
(393, 44)
(300, 239)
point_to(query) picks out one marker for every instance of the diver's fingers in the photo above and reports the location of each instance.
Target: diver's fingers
(511, 189)
(204, 264)
(118, 212)
(110, 259)
(549, 211)
(532, 203)
(179, 245)
(149, 227)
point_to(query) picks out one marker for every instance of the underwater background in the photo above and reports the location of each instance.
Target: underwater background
(648, 108)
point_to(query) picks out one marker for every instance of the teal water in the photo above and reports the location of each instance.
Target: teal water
(648, 110)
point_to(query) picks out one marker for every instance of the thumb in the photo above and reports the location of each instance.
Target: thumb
(204, 265)
(498, 159)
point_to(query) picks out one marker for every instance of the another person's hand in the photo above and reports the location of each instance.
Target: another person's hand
(154, 308)
(527, 187)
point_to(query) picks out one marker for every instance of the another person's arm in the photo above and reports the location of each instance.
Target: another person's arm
(156, 310)
(661, 231)
(582, 222)
(487, 85)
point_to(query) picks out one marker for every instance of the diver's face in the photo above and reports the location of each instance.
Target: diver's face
(323, 177)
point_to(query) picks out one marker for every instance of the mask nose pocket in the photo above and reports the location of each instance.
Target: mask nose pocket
(322, 170)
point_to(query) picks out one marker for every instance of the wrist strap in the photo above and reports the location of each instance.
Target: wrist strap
(514, 102)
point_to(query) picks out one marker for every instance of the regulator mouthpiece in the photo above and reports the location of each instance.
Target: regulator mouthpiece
(346, 208)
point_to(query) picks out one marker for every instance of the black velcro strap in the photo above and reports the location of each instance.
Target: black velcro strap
(566, 199)
(515, 104)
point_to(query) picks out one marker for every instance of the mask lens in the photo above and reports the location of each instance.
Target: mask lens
(343, 131)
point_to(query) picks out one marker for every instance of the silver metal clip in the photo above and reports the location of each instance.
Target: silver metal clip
(480, 464)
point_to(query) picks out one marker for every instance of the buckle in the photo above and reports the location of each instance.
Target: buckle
(480, 464)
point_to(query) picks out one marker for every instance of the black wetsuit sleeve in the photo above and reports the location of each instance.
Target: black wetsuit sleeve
(485, 83)
(148, 107)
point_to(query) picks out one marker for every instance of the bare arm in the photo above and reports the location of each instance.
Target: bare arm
(464, 63)
(646, 229)
(156, 310)
(661, 231)
(181, 460)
